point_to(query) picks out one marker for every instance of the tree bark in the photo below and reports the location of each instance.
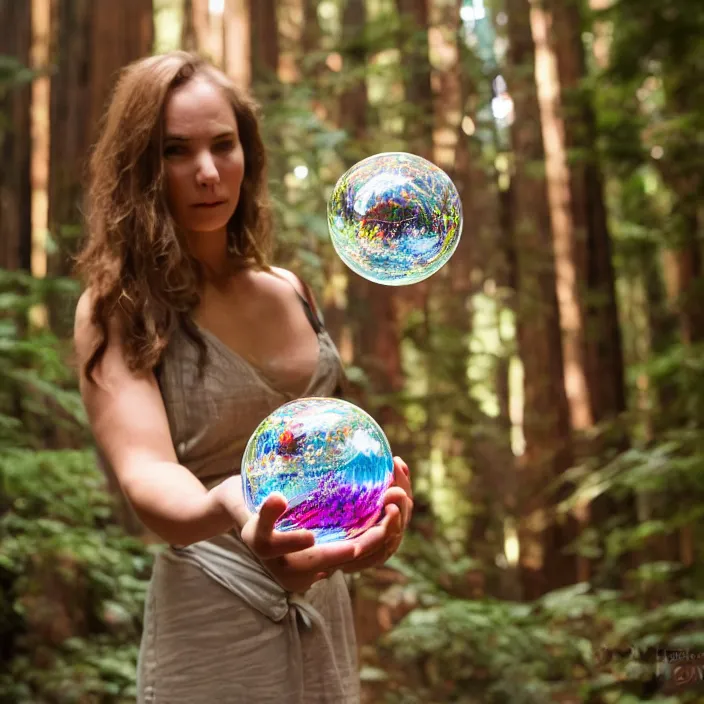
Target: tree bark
(689, 269)
(310, 35)
(265, 53)
(236, 48)
(194, 31)
(594, 368)
(418, 88)
(548, 451)
(264, 40)
(568, 240)
(15, 140)
(604, 347)
(43, 39)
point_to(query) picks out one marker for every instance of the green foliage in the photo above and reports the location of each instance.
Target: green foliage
(36, 382)
(595, 645)
(72, 584)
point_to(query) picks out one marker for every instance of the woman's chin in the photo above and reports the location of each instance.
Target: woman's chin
(208, 226)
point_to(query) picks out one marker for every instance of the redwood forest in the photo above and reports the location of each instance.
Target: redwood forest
(545, 387)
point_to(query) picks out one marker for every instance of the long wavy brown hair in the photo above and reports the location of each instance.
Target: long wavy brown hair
(135, 261)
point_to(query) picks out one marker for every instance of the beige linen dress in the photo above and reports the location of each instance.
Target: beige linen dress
(217, 627)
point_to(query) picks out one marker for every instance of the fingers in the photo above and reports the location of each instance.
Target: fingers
(297, 571)
(374, 539)
(377, 557)
(319, 558)
(402, 482)
(281, 543)
(267, 543)
(402, 476)
(271, 510)
(401, 465)
(396, 496)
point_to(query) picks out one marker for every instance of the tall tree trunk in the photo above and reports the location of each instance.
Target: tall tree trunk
(604, 353)
(264, 40)
(548, 451)
(43, 39)
(594, 369)
(221, 37)
(569, 241)
(194, 30)
(236, 49)
(95, 40)
(310, 30)
(15, 140)
(418, 88)
(602, 35)
(690, 285)
(265, 52)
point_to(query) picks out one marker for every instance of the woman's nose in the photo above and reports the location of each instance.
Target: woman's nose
(206, 173)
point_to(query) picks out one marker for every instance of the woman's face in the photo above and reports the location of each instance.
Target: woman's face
(203, 157)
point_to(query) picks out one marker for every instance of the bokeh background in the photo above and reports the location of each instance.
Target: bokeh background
(546, 387)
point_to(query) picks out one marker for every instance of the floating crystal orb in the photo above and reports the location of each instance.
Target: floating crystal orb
(331, 461)
(395, 218)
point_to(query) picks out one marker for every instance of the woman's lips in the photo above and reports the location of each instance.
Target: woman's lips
(214, 204)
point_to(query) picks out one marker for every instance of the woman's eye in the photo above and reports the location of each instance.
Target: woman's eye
(226, 146)
(174, 149)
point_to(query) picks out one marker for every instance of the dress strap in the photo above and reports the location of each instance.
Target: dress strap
(315, 317)
(313, 313)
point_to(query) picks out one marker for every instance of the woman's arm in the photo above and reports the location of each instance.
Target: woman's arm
(129, 422)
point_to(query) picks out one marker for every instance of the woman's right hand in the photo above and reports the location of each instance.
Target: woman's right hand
(292, 556)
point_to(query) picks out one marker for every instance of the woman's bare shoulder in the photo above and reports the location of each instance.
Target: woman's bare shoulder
(86, 333)
(292, 278)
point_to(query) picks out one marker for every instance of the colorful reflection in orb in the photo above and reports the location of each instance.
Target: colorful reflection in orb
(395, 218)
(331, 461)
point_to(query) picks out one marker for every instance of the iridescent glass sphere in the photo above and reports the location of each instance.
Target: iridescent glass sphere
(331, 461)
(395, 218)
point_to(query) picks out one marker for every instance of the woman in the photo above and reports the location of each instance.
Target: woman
(187, 338)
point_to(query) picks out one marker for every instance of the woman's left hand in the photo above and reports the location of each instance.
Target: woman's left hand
(380, 542)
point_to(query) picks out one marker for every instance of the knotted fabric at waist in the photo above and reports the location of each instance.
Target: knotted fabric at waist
(228, 561)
